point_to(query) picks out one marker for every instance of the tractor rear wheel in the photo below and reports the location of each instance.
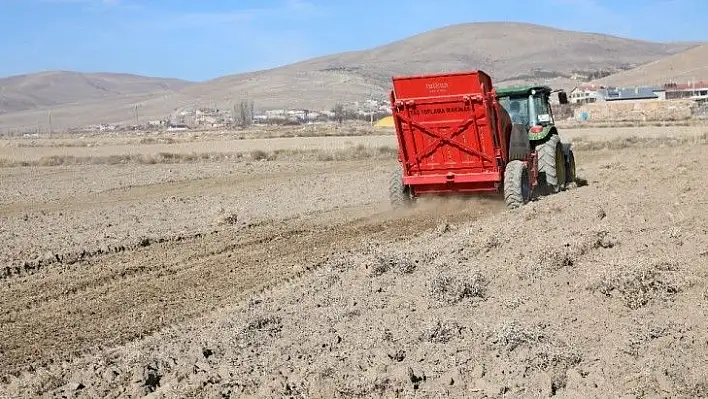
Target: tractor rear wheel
(517, 186)
(551, 164)
(398, 193)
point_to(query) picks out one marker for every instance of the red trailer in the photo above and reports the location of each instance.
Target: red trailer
(455, 138)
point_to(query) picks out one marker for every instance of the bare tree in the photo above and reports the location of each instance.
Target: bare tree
(243, 114)
(49, 118)
(238, 119)
(338, 111)
(136, 113)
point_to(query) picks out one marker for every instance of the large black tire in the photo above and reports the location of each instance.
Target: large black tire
(519, 143)
(398, 193)
(551, 164)
(517, 187)
(571, 177)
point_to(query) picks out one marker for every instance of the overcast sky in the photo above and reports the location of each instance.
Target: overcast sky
(199, 40)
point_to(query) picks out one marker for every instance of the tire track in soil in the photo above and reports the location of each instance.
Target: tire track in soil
(129, 194)
(34, 267)
(147, 192)
(112, 299)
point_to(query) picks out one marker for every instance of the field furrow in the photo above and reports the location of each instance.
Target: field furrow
(295, 278)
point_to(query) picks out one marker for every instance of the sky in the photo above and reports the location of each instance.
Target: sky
(200, 40)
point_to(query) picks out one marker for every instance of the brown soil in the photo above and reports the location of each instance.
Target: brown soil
(296, 280)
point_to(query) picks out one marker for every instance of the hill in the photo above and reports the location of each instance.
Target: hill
(510, 52)
(690, 65)
(57, 88)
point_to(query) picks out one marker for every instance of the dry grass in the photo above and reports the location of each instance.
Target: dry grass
(157, 140)
(442, 332)
(580, 144)
(638, 286)
(359, 152)
(159, 158)
(349, 151)
(512, 335)
(260, 155)
(400, 263)
(448, 288)
(619, 124)
(73, 144)
(325, 130)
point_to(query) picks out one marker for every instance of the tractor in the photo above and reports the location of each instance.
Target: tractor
(458, 135)
(530, 111)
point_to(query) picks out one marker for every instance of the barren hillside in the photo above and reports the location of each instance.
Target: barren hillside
(511, 52)
(56, 88)
(681, 68)
(508, 51)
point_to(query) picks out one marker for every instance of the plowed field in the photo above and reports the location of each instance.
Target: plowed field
(289, 276)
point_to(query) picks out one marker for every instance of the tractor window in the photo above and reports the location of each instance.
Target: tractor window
(543, 114)
(518, 109)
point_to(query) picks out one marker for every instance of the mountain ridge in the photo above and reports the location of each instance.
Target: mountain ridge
(61, 87)
(511, 52)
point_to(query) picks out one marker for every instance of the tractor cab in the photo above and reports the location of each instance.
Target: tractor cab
(529, 105)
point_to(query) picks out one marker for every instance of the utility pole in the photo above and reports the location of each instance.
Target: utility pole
(49, 117)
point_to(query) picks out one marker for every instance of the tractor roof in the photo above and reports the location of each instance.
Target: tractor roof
(521, 90)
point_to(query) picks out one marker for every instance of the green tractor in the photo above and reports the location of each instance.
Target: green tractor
(533, 129)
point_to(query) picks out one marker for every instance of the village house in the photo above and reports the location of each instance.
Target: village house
(177, 127)
(628, 94)
(594, 93)
(157, 123)
(697, 91)
(584, 94)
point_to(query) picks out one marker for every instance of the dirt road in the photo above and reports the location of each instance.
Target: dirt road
(294, 279)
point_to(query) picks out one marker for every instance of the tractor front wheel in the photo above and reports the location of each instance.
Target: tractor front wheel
(551, 164)
(517, 186)
(570, 175)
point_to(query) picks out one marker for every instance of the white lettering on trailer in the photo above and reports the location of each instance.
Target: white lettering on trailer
(437, 87)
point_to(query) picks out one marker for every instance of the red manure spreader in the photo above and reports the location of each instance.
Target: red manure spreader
(458, 135)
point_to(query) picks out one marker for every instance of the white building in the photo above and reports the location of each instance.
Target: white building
(585, 94)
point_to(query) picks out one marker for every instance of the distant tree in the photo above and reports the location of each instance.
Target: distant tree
(243, 114)
(339, 112)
